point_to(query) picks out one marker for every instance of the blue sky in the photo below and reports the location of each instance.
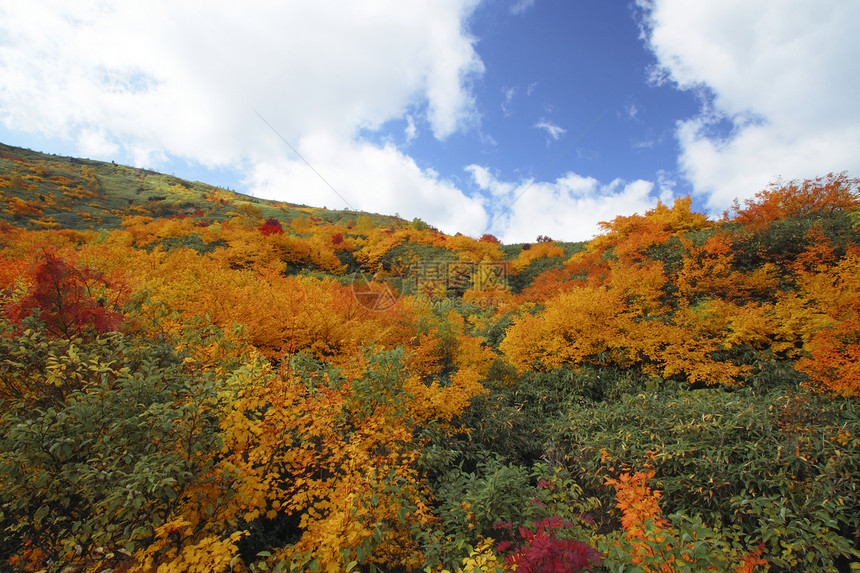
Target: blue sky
(514, 117)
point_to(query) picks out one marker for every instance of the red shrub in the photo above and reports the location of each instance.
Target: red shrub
(543, 551)
(271, 227)
(71, 301)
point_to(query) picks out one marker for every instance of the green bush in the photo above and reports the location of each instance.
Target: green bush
(86, 475)
(782, 241)
(470, 503)
(778, 468)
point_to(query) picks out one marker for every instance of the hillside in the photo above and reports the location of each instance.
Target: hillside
(42, 191)
(196, 380)
(51, 191)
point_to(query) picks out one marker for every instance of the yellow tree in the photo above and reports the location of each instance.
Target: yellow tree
(331, 452)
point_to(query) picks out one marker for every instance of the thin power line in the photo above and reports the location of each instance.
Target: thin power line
(547, 168)
(287, 143)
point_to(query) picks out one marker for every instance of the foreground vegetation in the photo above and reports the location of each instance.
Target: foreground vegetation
(193, 380)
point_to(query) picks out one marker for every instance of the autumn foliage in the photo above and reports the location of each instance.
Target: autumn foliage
(654, 544)
(834, 193)
(206, 382)
(543, 551)
(72, 301)
(271, 227)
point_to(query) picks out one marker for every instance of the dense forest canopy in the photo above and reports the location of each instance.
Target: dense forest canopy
(196, 380)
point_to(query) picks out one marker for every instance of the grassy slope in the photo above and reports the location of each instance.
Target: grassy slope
(86, 194)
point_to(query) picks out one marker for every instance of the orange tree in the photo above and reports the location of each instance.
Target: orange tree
(278, 314)
(622, 323)
(833, 360)
(834, 193)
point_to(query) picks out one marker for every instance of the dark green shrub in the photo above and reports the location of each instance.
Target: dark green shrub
(85, 477)
(779, 468)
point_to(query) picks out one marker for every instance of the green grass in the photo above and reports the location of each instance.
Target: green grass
(111, 191)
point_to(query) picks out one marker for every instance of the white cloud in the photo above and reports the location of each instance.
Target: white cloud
(95, 143)
(184, 79)
(365, 177)
(486, 180)
(411, 131)
(567, 209)
(785, 74)
(509, 94)
(631, 110)
(552, 130)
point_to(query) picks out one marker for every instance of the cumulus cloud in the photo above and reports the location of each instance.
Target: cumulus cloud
(567, 209)
(184, 80)
(782, 74)
(96, 143)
